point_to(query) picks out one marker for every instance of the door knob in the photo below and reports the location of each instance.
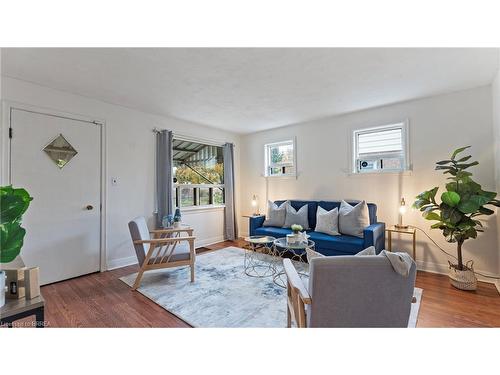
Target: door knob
(89, 207)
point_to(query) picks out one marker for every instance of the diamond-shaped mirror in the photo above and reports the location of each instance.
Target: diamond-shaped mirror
(60, 151)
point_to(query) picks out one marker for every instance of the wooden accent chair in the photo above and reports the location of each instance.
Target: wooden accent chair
(167, 248)
(349, 291)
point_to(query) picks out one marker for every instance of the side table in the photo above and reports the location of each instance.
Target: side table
(255, 262)
(15, 309)
(409, 230)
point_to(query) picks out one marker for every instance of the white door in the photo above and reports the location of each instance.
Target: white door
(63, 221)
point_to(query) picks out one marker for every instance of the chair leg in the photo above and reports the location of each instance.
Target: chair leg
(137, 282)
(192, 258)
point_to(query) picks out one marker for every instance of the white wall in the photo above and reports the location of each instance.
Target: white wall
(438, 125)
(496, 128)
(130, 158)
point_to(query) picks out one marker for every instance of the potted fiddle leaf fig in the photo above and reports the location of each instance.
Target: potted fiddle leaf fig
(459, 211)
(13, 204)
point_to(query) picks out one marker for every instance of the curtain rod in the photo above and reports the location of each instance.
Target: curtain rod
(189, 138)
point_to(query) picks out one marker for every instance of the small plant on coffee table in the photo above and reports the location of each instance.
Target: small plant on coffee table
(296, 228)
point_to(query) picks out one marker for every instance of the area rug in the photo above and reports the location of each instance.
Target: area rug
(222, 295)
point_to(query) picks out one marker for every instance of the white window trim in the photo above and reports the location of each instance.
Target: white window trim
(266, 157)
(405, 126)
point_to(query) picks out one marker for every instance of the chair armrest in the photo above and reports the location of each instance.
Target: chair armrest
(256, 222)
(158, 232)
(296, 282)
(165, 240)
(171, 230)
(375, 236)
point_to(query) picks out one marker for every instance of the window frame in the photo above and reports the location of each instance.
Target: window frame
(267, 162)
(403, 125)
(196, 187)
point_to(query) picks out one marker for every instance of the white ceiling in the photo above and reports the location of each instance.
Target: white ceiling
(247, 90)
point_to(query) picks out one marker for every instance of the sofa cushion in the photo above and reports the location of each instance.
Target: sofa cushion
(311, 214)
(299, 216)
(276, 214)
(273, 231)
(353, 220)
(327, 221)
(336, 245)
(330, 205)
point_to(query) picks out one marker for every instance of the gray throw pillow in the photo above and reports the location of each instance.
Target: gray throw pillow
(327, 221)
(297, 217)
(311, 254)
(276, 214)
(353, 220)
(368, 251)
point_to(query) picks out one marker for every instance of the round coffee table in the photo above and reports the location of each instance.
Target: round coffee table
(255, 263)
(296, 252)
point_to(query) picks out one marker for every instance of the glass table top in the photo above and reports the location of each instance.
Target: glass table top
(260, 239)
(281, 242)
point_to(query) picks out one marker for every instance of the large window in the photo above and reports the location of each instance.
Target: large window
(280, 159)
(381, 149)
(198, 174)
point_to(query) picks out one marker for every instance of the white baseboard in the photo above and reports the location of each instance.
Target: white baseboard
(121, 262)
(442, 269)
(209, 241)
(497, 284)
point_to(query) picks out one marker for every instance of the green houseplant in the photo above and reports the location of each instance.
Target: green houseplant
(13, 204)
(459, 212)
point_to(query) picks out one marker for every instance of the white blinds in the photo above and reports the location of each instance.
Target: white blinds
(380, 141)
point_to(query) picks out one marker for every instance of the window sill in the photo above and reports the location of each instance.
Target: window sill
(289, 176)
(401, 173)
(202, 208)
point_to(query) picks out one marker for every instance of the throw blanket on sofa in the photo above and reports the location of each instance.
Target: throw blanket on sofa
(401, 262)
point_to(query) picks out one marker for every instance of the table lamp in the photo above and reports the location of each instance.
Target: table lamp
(255, 205)
(402, 211)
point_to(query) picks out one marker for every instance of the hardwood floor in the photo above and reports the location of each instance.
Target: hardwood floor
(102, 300)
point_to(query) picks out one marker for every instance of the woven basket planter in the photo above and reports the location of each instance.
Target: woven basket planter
(463, 279)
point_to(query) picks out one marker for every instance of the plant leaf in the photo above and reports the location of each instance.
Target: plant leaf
(11, 241)
(450, 198)
(486, 211)
(458, 151)
(13, 203)
(488, 194)
(465, 158)
(450, 215)
(464, 166)
(431, 216)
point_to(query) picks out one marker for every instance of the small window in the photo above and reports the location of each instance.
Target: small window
(381, 149)
(280, 159)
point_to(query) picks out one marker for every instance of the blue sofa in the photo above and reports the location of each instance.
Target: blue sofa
(374, 234)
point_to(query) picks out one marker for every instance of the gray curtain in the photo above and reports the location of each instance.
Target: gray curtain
(164, 177)
(230, 213)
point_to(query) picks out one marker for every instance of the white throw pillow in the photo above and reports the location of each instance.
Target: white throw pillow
(276, 214)
(327, 221)
(353, 220)
(297, 217)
